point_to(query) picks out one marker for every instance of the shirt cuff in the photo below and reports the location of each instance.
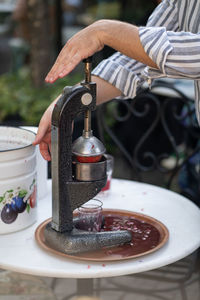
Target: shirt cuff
(156, 44)
(122, 78)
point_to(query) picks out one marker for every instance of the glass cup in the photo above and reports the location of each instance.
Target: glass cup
(90, 216)
(109, 171)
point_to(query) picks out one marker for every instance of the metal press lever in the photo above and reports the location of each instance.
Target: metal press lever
(88, 148)
(87, 119)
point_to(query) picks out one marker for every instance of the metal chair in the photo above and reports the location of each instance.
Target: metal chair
(149, 130)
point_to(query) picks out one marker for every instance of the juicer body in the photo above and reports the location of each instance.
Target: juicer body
(75, 182)
(68, 192)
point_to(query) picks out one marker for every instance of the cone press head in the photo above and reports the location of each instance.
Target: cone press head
(87, 148)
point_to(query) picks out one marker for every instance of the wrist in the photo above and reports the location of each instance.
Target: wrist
(102, 30)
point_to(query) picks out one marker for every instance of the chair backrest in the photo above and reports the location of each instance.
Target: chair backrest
(155, 138)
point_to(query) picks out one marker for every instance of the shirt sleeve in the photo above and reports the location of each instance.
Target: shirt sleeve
(127, 74)
(177, 54)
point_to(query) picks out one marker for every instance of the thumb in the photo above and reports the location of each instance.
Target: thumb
(37, 140)
(40, 135)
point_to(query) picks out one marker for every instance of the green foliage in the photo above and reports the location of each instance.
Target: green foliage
(18, 97)
(105, 10)
(22, 193)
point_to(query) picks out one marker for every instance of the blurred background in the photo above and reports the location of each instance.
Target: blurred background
(32, 32)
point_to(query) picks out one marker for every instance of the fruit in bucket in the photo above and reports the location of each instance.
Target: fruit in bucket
(8, 214)
(18, 204)
(13, 203)
(32, 198)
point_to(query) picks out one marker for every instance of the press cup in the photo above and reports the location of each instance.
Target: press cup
(109, 171)
(90, 216)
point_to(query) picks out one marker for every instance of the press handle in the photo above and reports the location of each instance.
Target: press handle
(88, 59)
(88, 66)
(87, 118)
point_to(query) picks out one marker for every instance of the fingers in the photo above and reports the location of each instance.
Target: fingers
(44, 150)
(63, 66)
(66, 69)
(45, 124)
(38, 139)
(54, 74)
(61, 62)
(42, 131)
(43, 138)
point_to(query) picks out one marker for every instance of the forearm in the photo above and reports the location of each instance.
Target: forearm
(105, 90)
(124, 38)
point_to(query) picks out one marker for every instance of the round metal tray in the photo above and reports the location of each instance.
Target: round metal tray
(121, 252)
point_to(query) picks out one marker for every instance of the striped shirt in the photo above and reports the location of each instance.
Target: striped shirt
(171, 38)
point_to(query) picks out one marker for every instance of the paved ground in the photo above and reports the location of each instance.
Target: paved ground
(169, 283)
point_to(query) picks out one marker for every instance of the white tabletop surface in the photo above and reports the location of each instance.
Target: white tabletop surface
(19, 251)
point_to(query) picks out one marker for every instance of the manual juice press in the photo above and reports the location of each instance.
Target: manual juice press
(78, 172)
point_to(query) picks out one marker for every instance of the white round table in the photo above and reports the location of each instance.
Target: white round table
(20, 252)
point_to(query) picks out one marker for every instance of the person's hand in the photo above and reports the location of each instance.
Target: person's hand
(43, 137)
(121, 36)
(82, 45)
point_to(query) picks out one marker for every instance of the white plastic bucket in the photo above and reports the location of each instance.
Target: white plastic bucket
(42, 169)
(18, 179)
